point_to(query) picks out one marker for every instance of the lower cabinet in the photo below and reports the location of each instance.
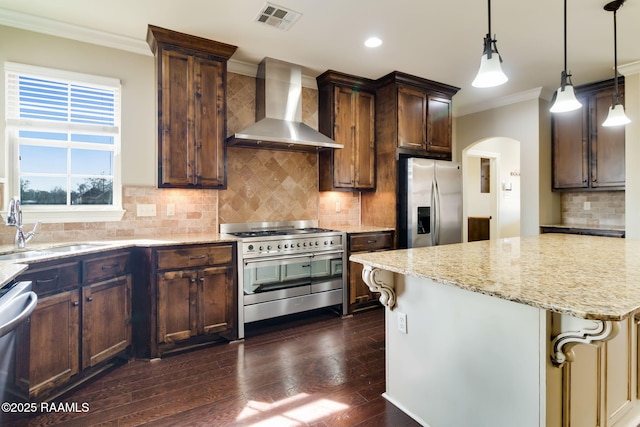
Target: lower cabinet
(81, 322)
(360, 297)
(50, 356)
(106, 318)
(194, 291)
(599, 386)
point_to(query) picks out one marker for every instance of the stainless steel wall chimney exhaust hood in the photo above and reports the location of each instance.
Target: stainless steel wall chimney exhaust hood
(279, 113)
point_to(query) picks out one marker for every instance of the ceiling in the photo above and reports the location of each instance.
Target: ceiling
(437, 40)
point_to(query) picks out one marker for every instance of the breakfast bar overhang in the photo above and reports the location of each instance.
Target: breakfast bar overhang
(532, 331)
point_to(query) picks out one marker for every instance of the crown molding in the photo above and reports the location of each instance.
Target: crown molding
(629, 69)
(24, 21)
(515, 98)
(51, 27)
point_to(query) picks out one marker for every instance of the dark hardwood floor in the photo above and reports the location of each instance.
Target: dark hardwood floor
(313, 370)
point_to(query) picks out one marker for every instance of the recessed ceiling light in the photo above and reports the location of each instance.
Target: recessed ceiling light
(373, 42)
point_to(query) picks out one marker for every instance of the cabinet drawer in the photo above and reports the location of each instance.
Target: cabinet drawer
(53, 278)
(194, 256)
(371, 241)
(105, 267)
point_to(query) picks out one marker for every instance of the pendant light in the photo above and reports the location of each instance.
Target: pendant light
(565, 95)
(490, 73)
(616, 116)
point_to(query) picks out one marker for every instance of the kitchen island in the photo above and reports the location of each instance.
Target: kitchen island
(532, 331)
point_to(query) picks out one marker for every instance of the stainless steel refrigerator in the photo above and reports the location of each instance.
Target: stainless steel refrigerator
(429, 202)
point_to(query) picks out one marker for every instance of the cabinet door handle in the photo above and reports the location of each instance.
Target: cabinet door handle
(109, 266)
(372, 241)
(89, 299)
(197, 257)
(75, 304)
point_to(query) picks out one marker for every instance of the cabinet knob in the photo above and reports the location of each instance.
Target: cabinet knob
(89, 299)
(75, 304)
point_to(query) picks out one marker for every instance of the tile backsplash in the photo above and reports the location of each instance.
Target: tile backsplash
(195, 212)
(606, 208)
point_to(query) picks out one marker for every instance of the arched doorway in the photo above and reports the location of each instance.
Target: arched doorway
(491, 185)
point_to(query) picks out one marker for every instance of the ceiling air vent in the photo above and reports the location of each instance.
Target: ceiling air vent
(277, 16)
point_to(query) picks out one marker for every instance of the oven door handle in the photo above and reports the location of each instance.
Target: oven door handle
(288, 257)
(277, 258)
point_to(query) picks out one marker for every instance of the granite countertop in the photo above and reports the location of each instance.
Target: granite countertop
(10, 269)
(354, 229)
(589, 277)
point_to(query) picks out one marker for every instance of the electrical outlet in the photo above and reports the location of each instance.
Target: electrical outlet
(587, 206)
(337, 207)
(144, 209)
(171, 209)
(402, 322)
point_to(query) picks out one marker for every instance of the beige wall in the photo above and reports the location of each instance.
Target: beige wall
(134, 71)
(632, 149)
(528, 122)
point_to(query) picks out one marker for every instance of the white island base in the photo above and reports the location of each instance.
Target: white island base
(469, 359)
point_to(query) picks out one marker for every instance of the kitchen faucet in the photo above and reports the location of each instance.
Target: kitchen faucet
(14, 218)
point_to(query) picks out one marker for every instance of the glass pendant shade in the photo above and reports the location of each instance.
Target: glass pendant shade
(490, 73)
(616, 116)
(565, 100)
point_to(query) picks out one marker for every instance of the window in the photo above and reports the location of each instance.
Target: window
(63, 133)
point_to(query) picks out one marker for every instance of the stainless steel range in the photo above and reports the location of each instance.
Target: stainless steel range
(287, 267)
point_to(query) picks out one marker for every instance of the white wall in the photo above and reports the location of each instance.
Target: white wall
(632, 149)
(507, 210)
(136, 73)
(529, 123)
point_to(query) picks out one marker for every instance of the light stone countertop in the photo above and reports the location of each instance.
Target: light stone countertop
(355, 229)
(588, 277)
(10, 269)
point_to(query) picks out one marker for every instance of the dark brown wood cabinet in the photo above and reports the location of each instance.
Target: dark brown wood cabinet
(360, 296)
(587, 155)
(81, 322)
(193, 298)
(418, 115)
(106, 307)
(191, 75)
(347, 115)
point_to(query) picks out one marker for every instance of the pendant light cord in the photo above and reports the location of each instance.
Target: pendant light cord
(615, 57)
(565, 37)
(489, 16)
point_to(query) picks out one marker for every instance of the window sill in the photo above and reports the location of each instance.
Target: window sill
(51, 216)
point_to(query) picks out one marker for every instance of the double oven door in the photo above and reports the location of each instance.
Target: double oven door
(282, 276)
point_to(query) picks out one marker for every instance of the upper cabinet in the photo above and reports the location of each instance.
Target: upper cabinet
(416, 114)
(191, 80)
(347, 115)
(587, 155)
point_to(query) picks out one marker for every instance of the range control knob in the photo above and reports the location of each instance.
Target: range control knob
(250, 247)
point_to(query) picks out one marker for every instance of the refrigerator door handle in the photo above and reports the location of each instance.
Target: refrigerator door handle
(434, 213)
(437, 212)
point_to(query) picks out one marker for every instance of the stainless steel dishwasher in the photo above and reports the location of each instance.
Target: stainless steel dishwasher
(17, 302)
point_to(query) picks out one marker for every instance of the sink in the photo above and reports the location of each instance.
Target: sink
(74, 247)
(21, 255)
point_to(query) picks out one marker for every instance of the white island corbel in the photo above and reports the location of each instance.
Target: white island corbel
(533, 331)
